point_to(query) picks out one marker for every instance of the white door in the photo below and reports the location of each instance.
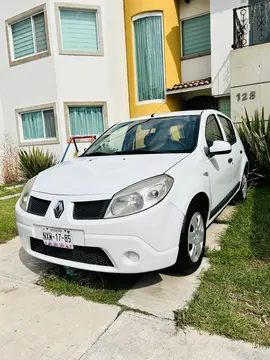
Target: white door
(219, 167)
(236, 154)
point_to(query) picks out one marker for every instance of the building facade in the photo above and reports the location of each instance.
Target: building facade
(63, 70)
(225, 51)
(75, 68)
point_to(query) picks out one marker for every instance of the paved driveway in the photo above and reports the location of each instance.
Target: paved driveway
(36, 325)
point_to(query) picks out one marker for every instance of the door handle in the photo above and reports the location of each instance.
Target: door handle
(230, 160)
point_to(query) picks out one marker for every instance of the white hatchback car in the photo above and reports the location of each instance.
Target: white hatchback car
(140, 198)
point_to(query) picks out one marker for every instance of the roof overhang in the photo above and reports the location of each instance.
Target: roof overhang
(189, 89)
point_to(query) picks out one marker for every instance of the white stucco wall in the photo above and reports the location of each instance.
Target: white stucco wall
(194, 8)
(1, 137)
(221, 42)
(250, 83)
(197, 67)
(65, 78)
(25, 85)
(2, 124)
(95, 78)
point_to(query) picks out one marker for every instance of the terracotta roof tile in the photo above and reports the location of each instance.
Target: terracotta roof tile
(190, 84)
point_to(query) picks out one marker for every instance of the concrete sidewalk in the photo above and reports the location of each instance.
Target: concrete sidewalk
(37, 325)
(138, 337)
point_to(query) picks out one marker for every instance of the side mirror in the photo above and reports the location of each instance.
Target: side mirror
(220, 148)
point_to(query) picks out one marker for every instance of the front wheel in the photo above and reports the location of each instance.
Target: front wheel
(192, 241)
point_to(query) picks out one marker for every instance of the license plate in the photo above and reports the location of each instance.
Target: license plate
(61, 238)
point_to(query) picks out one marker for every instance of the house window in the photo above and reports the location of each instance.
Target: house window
(149, 57)
(38, 125)
(224, 105)
(196, 38)
(86, 120)
(80, 30)
(28, 36)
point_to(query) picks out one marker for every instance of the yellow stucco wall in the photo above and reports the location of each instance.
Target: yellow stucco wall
(170, 9)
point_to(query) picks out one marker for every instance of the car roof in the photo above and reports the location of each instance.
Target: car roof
(170, 114)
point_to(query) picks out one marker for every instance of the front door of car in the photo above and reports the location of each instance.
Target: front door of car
(236, 154)
(219, 166)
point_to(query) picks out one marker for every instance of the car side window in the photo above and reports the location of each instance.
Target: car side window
(212, 130)
(228, 128)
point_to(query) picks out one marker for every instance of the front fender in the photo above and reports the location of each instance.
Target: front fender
(190, 178)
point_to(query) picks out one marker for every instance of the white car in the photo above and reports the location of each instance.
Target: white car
(140, 198)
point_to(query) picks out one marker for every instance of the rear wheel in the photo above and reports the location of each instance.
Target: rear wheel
(192, 241)
(242, 193)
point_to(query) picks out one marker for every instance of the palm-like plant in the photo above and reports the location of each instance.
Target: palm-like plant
(255, 135)
(32, 162)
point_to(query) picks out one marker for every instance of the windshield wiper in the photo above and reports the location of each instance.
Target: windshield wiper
(130, 152)
(97, 153)
(134, 152)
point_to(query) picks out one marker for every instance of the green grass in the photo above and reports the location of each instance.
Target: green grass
(8, 228)
(234, 295)
(7, 192)
(4, 186)
(98, 287)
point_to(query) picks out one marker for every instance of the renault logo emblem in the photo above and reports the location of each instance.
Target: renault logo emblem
(59, 209)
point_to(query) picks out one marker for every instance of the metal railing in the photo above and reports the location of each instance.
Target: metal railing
(251, 24)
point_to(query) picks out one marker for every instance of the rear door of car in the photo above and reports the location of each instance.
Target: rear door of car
(219, 167)
(235, 156)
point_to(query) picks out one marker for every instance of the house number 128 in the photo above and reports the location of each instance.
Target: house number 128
(246, 96)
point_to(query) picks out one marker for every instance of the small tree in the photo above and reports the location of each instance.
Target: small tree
(9, 160)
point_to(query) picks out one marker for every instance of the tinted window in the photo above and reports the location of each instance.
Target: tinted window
(228, 128)
(155, 135)
(213, 131)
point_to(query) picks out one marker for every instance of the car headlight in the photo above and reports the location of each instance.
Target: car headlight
(26, 193)
(140, 196)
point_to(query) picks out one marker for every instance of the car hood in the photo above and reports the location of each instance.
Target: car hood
(102, 175)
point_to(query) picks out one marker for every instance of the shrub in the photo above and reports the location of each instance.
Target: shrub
(255, 135)
(31, 163)
(9, 160)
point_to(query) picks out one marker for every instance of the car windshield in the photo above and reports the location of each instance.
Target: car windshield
(151, 136)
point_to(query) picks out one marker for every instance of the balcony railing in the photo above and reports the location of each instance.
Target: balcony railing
(251, 24)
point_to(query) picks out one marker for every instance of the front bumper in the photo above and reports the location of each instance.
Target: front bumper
(153, 234)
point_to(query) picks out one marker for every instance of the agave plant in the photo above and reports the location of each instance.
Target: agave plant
(32, 162)
(255, 135)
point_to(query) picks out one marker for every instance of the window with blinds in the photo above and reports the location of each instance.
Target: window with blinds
(224, 105)
(79, 30)
(29, 36)
(149, 57)
(86, 120)
(196, 38)
(38, 125)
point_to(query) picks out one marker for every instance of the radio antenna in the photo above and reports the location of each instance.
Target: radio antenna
(153, 115)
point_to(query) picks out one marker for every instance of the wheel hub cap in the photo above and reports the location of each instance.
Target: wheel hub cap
(196, 233)
(244, 186)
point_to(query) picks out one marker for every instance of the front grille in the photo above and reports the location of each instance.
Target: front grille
(38, 206)
(80, 254)
(90, 210)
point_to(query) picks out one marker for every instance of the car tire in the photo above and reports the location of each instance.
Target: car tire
(190, 255)
(241, 196)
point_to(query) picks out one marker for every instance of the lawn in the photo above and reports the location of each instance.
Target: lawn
(234, 296)
(8, 228)
(7, 192)
(98, 287)
(9, 189)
